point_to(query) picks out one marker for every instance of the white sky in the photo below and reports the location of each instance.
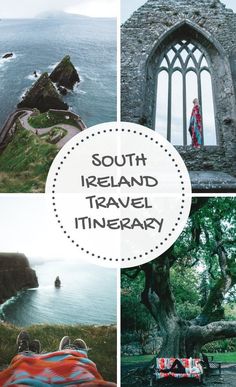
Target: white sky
(129, 6)
(27, 226)
(31, 8)
(97, 8)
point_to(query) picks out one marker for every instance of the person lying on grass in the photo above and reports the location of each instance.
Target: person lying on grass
(69, 366)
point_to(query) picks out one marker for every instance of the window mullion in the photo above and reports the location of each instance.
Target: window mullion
(200, 98)
(184, 109)
(183, 56)
(169, 106)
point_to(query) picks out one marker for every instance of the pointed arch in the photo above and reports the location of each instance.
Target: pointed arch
(196, 50)
(186, 57)
(186, 27)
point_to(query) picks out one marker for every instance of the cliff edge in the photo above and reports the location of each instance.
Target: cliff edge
(15, 275)
(65, 74)
(43, 96)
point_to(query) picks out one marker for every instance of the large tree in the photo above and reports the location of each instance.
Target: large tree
(207, 244)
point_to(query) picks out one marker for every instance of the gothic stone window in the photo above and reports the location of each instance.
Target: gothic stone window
(182, 75)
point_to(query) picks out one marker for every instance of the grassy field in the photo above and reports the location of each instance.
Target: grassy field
(229, 357)
(132, 360)
(45, 120)
(101, 340)
(25, 162)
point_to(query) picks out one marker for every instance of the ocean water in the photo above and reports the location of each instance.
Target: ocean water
(87, 296)
(39, 44)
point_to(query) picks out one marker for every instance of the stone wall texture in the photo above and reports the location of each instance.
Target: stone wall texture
(146, 34)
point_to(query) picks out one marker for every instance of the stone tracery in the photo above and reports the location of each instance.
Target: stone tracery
(145, 38)
(185, 57)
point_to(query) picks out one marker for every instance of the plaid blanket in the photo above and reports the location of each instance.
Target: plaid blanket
(61, 368)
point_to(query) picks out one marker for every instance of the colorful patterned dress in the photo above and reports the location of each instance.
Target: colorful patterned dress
(195, 127)
(61, 368)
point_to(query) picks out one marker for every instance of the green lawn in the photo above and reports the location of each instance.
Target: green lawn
(25, 162)
(136, 359)
(101, 340)
(45, 120)
(229, 357)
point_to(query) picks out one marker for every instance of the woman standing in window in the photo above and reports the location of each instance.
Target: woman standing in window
(195, 127)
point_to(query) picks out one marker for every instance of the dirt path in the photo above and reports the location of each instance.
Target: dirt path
(71, 130)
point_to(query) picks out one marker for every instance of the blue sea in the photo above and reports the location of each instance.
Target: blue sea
(87, 296)
(39, 44)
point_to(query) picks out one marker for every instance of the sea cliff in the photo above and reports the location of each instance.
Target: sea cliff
(15, 275)
(65, 74)
(43, 96)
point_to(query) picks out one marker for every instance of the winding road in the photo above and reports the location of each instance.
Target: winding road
(71, 130)
(24, 114)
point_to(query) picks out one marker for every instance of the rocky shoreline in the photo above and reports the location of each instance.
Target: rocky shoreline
(46, 93)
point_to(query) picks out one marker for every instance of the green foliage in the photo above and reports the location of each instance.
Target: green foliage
(101, 340)
(204, 253)
(134, 316)
(25, 162)
(220, 346)
(185, 285)
(45, 120)
(216, 217)
(230, 310)
(209, 232)
(187, 310)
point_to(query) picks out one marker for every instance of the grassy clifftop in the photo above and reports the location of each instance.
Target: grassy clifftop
(45, 120)
(101, 340)
(25, 162)
(15, 275)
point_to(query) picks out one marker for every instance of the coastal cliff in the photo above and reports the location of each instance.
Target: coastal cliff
(65, 74)
(43, 96)
(15, 275)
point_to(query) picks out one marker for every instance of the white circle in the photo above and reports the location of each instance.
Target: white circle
(120, 193)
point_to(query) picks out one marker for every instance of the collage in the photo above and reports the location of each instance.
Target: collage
(118, 193)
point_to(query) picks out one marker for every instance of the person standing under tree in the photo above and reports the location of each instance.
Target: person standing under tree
(195, 126)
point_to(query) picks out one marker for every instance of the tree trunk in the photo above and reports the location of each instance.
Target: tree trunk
(174, 340)
(198, 336)
(181, 338)
(158, 298)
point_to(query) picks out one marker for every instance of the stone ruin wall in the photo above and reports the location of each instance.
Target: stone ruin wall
(142, 33)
